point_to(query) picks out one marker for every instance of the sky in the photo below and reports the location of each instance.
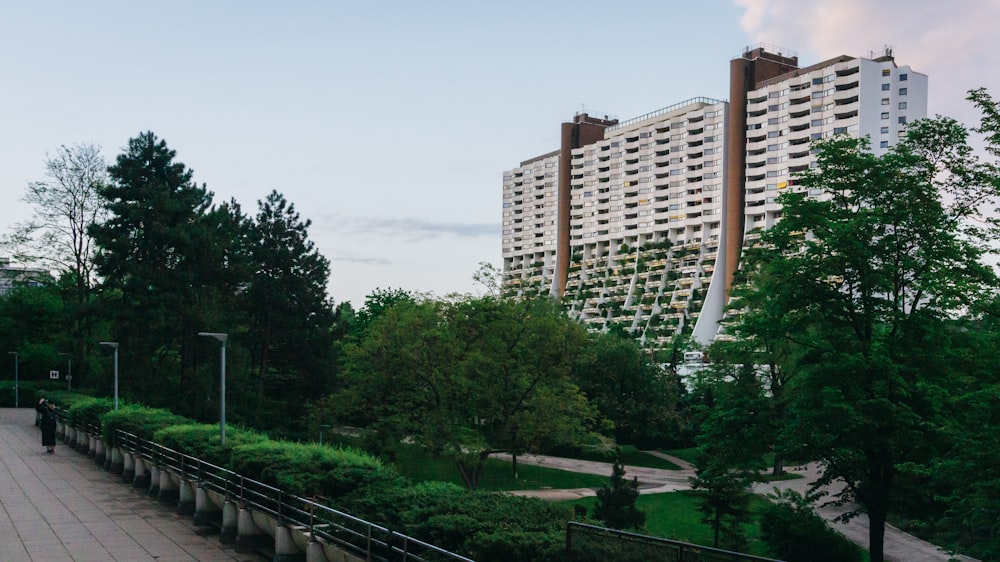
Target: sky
(389, 124)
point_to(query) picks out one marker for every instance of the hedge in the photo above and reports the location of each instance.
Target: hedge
(138, 420)
(485, 526)
(312, 470)
(202, 441)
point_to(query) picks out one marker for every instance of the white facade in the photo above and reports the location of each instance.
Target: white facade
(854, 96)
(646, 227)
(530, 199)
(645, 222)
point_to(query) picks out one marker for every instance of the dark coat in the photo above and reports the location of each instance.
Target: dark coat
(48, 424)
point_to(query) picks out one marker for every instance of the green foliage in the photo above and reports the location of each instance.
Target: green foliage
(629, 388)
(311, 470)
(202, 440)
(290, 316)
(466, 378)
(795, 534)
(616, 501)
(29, 392)
(139, 420)
(87, 412)
(171, 267)
(486, 527)
(855, 292)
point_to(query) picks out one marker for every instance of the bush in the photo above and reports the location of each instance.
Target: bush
(28, 392)
(795, 534)
(86, 411)
(202, 441)
(485, 526)
(139, 420)
(310, 470)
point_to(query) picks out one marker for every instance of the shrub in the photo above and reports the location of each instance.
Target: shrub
(87, 411)
(485, 526)
(310, 470)
(202, 441)
(28, 392)
(139, 420)
(795, 534)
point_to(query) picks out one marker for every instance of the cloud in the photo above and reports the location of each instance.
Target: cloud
(409, 228)
(362, 261)
(954, 43)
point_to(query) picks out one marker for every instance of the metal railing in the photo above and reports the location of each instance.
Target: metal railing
(319, 521)
(589, 543)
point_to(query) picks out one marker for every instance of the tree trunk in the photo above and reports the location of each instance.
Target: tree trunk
(876, 534)
(513, 465)
(778, 468)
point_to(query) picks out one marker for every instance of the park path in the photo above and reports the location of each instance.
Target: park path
(899, 546)
(63, 507)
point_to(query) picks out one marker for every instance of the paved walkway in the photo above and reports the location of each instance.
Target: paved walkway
(899, 546)
(63, 507)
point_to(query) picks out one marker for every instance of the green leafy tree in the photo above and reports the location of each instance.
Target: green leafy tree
(615, 505)
(470, 378)
(56, 238)
(631, 391)
(871, 270)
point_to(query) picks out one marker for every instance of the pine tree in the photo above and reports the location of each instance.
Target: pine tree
(616, 502)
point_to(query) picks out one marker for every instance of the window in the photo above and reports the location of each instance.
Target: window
(902, 120)
(885, 87)
(885, 130)
(885, 101)
(902, 91)
(902, 105)
(885, 72)
(885, 115)
(883, 144)
(902, 77)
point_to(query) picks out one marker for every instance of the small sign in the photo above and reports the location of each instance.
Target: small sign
(53, 374)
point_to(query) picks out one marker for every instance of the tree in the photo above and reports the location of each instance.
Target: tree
(57, 238)
(630, 390)
(469, 378)
(289, 313)
(725, 502)
(616, 501)
(164, 256)
(871, 270)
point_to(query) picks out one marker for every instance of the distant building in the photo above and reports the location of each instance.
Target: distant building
(10, 275)
(641, 223)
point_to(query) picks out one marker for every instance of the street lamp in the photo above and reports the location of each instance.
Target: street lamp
(222, 382)
(114, 345)
(69, 370)
(16, 398)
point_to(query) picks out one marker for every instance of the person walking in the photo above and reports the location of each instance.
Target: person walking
(48, 424)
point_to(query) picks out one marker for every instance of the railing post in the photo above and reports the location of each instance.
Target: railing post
(569, 541)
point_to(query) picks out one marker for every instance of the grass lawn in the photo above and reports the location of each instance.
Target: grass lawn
(683, 454)
(496, 476)
(630, 456)
(675, 516)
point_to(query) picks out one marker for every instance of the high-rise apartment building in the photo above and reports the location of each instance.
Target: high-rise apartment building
(641, 223)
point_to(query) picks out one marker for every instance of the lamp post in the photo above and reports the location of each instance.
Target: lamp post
(222, 382)
(69, 370)
(17, 401)
(114, 345)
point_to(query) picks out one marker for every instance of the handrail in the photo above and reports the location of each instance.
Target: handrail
(319, 520)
